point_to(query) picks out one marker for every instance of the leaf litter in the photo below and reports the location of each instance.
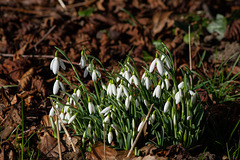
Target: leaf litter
(110, 30)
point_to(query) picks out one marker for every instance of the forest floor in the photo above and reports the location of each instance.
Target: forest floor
(109, 30)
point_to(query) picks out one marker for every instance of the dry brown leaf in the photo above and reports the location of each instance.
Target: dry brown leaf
(160, 19)
(24, 82)
(100, 5)
(20, 52)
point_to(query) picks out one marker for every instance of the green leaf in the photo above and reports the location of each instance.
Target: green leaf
(86, 12)
(147, 57)
(219, 26)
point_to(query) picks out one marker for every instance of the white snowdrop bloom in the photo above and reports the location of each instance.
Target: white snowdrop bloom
(166, 106)
(106, 120)
(95, 74)
(72, 118)
(78, 93)
(56, 85)
(160, 66)
(143, 76)
(140, 125)
(91, 107)
(66, 107)
(55, 63)
(99, 108)
(51, 112)
(147, 82)
(127, 74)
(83, 61)
(67, 116)
(167, 83)
(194, 96)
(174, 120)
(178, 96)
(62, 115)
(157, 91)
(133, 124)
(111, 89)
(120, 90)
(152, 118)
(59, 125)
(103, 86)
(127, 102)
(129, 66)
(106, 110)
(145, 102)
(133, 79)
(87, 70)
(181, 85)
(166, 60)
(110, 136)
(189, 118)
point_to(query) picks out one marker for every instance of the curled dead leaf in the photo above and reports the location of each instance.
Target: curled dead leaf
(160, 19)
(26, 78)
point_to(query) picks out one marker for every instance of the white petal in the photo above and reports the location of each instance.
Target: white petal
(52, 112)
(85, 72)
(125, 92)
(62, 115)
(51, 65)
(55, 65)
(78, 93)
(105, 110)
(152, 65)
(72, 119)
(82, 62)
(119, 91)
(110, 137)
(181, 85)
(160, 67)
(140, 126)
(62, 64)
(167, 83)
(177, 97)
(166, 106)
(114, 90)
(62, 86)
(189, 118)
(135, 80)
(56, 87)
(147, 82)
(98, 74)
(106, 119)
(127, 103)
(94, 75)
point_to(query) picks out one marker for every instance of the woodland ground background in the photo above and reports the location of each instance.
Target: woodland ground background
(109, 29)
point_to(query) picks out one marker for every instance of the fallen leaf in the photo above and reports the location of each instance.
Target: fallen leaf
(20, 52)
(160, 19)
(24, 82)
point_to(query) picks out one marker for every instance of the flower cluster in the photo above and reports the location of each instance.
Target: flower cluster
(119, 106)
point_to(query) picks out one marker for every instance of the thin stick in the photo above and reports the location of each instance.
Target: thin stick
(58, 140)
(64, 128)
(139, 133)
(190, 52)
(62, 4)
(50, 30)
(104, 142)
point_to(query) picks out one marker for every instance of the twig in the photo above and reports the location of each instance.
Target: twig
(104, 142)
(139, 133)
(58, 140)
(50, 30)
(64, 128)
(62, 4)
(190, 52)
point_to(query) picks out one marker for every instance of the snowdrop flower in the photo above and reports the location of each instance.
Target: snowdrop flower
(51, 112)
(178, 96)
(106, 110)
(75, 97)
(68, 115)
(167, 83)
(194, 96)
(62, 115)
(122, 89)
(129, 66)
(66, 107)
(133, 124)
(134, 80)
(103, 86)
(55, 63)
(165, 59)
(56, 85)
(166, 106)
(91, 107)
(137, 103)
(146, 81)
(152, 118)
(95, 74)
(111, 89)
(72, 118)
(106, 119)
(181, 85)
(157, 62)
(140, 125)
(82, 61)
(189, 118)
(145, 102)
(87, 70)
(174, 120)
(127, 102)
(126, 74)
(157, 90)
(110, 136)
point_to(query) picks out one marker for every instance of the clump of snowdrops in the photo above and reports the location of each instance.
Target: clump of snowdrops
(118, 107)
